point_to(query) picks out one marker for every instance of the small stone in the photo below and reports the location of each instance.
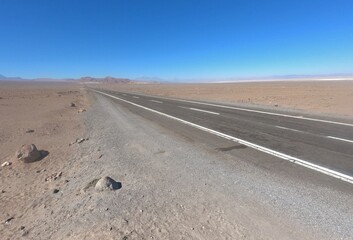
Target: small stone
(30, 131)
(53, 177)
(22, 227)
(81, 110)
(276, 105)
(3, 191)
(106, 209)
(100, 156)
(72, 104)
(6, 164)
(105, 183)
(55, 190)
(8, 221)
(28, 153)
(80, 140)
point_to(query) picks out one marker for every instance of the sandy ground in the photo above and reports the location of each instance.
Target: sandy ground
(172, 187)
(323, 97)
(45, 108)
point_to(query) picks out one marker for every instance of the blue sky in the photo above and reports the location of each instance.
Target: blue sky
(181, 39)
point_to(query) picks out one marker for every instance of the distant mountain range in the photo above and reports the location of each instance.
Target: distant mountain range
(82, 80)
(105, 80)
(141, 80)
(2, 77)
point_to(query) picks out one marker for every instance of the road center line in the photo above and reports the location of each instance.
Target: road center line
(286, 157)
(156, 101)
(341, 139)
(290, 129)
(200, 110)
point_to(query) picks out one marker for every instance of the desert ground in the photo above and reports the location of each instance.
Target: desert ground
(171, 187)
(320, 97)
(40, 114)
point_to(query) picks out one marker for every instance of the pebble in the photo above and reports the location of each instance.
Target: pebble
(55, 190)
(6, 164)
(80, 140)
(8, 221)
(53, 177)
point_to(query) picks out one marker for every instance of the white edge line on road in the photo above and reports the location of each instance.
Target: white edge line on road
(341, 139)
(289, 158)
(156, 101)
(257, 111)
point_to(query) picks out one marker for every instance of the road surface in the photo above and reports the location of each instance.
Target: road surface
(322, 145)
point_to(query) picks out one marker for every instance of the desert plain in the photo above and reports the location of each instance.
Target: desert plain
(165, 194)
(320, 97)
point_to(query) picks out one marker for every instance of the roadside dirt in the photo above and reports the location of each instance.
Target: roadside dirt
(323, 97)
(37, 113)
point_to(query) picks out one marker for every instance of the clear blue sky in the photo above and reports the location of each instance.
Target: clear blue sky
(175, 38)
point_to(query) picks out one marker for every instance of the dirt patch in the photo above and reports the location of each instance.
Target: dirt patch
(37, 113)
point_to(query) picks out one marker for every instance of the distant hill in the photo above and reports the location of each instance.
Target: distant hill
(105, 80)
(2, 77)
(82, 80)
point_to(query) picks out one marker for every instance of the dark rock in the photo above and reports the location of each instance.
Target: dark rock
(55, 190)
(28, 153)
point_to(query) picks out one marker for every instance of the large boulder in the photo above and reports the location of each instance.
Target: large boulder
(28, 153)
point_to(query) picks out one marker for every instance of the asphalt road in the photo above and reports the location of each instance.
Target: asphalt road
(321, 145)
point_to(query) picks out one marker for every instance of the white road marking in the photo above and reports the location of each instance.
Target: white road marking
(135, 97)
(200, 110)
(258, 111)
(156, 101)
(286, 157)
(341, 139)
(294, 130)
